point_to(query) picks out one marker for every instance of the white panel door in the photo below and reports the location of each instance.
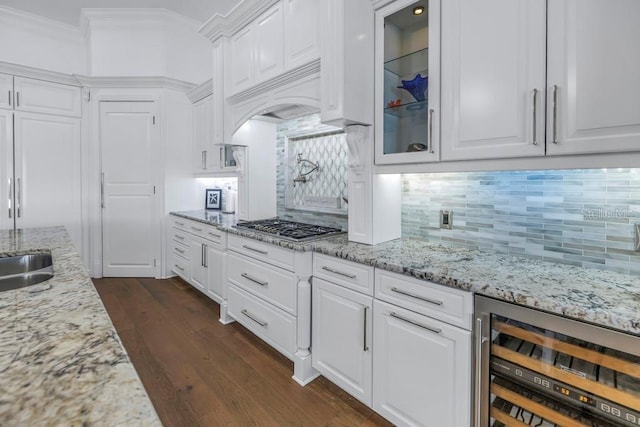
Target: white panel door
(6, 169)
(197, 255)
(301, 35)
(269, 44)
(341, 337)
(130, 146)
(241, 72)
(48, 173)
(39, 96)
(493, 79)
(6, 91)
(594, 62)
(422, 369)
(216, 267)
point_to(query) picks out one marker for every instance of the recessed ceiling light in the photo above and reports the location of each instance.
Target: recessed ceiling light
(418, 10)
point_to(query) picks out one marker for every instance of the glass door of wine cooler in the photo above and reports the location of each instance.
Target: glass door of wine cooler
(538, 369)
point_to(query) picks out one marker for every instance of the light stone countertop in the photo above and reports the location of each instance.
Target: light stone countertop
(601, 297)
(61, 360)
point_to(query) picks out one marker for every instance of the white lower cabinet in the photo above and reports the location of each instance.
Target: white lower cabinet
(198, 253)
(388, 345)
(341, 342)
(422, 369)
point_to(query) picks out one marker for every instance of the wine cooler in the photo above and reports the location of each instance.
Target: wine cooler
(538, 369)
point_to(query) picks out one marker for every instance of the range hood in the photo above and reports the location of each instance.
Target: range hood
(288, 111)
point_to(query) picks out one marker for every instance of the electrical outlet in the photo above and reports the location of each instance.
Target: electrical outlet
(446, 219)
(637, 227)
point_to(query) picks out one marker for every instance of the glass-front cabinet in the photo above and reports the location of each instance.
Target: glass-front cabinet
(407, 82)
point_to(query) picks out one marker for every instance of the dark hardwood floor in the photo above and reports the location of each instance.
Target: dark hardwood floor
(199, 372)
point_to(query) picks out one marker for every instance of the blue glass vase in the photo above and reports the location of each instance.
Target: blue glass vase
(416, 87)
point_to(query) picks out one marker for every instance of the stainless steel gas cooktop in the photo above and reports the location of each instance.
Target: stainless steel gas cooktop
(297, 231)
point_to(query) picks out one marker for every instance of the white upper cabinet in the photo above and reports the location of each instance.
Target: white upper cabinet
(6, 91)
(241, 56)
(594, 70)
(269, 44)
(493, 79)
(300, 32)
(38, 96)
(407, 82)
(281, 39)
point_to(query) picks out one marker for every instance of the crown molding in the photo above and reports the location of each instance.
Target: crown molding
(132, 16)
(240, 16)
(38, 74)
(279, 81)
(201, 91)
(39, 24)
(135, 82)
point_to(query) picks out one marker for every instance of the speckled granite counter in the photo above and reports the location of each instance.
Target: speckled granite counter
(601, 297)
(61, 361)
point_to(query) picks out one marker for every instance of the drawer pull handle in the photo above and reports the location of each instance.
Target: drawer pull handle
(365, 347)
(331, 270)
(179, 268)
(215, 235)
(196, 229)
(179, 250)
(259, 282)
(181, 224)
(420, 325)
(252, 317)
(177, 236)
(260, 251)
(421, 298)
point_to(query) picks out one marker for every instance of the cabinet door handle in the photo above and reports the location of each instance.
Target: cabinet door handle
(202, 254)
(221, 161)
(555, 114)
(196, 229)
(102, 190)
(255, 250)
(416, 296)
(215, 235)
(179, 237)
(206, 255)
(431, 111)
(17, 99)
(479, 378)
(204, 159)
(534, 120)
(420, 325)
(18, 196)
(331, 270)
(254, 280)
(10, 196)
(252, 317)
(365, 347)
(9, 98)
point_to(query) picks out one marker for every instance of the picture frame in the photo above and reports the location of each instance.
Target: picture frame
(213, 199)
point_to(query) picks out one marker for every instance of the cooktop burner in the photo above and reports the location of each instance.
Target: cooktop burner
(297, 231)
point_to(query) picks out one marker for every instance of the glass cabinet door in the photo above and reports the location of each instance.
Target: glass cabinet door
(407, 82)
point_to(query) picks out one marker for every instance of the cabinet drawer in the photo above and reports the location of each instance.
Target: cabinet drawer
(272, 254)
(215, 237)
(179, 236)
(180, 249)
(269, 323)
(180, 223)
(440, 302)
(349, 274)
(180, 266)
(271, 283)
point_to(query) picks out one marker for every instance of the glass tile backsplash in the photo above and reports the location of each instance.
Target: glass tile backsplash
(578, 217)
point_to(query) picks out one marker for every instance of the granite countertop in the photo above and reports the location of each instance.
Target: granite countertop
(601, 297)
(61, 360)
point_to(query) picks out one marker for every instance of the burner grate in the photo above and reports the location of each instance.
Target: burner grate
(292, 230)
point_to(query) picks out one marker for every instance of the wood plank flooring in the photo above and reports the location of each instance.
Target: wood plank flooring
(199, 372)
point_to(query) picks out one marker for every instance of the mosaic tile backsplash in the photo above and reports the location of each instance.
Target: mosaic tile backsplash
(332, 181)
(578, 217)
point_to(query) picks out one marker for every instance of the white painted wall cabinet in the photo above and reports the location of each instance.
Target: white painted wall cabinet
(301, 35)
(202, 134)
(503, 85)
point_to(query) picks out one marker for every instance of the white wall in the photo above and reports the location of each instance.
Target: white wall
(131, 42)
(30, 40)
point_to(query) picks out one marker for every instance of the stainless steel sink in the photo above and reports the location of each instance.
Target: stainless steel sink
(24, 270)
